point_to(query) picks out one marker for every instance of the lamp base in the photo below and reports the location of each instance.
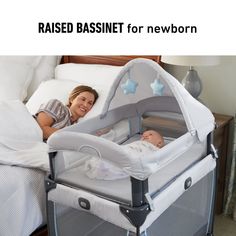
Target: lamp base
(192, 83)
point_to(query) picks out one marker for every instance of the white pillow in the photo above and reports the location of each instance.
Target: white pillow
(16, 73)
(32, 61)
(50, 89)
(14, 80)
(44, 71)
(60, 89)
(89, 74)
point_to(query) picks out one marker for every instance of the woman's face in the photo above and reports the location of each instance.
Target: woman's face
(81, 105)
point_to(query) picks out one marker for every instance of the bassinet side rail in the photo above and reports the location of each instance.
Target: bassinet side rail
(140, 209)
(138, 166)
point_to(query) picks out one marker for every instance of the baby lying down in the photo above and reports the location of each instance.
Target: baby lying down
(96, 168)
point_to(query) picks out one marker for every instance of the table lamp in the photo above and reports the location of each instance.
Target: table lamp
(191, 81)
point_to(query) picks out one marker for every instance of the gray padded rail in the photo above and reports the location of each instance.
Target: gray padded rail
(112, 117)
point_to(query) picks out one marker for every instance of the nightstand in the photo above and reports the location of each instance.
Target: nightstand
(223, 145)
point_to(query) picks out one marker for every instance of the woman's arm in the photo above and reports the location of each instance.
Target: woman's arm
(45, 122)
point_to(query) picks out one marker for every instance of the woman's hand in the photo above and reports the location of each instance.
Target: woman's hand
(102, 131)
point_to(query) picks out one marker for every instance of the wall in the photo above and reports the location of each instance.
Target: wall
(219, 84)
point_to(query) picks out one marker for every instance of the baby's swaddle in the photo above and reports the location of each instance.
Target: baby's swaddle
(140, 147)
(97, 168)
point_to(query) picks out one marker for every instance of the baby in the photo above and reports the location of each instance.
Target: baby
(150, 141)
(99, 169)
(153, 137)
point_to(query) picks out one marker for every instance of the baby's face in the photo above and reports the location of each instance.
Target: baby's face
(153, 137)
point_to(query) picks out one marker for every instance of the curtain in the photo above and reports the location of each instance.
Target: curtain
(230, 207)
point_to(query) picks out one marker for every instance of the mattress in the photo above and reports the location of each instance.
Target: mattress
(22, 200)
(77, 178)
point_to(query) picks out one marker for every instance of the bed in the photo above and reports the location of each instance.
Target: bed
(168, 192)
(35, 81)
(21, 188)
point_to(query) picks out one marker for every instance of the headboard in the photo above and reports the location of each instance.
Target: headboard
(106, 60)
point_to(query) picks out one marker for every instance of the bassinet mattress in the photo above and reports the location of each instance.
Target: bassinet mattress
(22, 200)
(120, 190)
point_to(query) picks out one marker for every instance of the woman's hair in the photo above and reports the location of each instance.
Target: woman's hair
(80, 89)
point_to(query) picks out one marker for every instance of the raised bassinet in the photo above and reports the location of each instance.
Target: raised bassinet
(169, 192)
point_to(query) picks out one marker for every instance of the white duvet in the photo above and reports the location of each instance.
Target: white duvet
(24, 153)
(22, 195)
(21, 138)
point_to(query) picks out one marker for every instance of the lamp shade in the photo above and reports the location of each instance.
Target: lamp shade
(191, 60)
(192, 82)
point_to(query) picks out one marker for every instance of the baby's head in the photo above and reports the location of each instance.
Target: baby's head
(153, 137)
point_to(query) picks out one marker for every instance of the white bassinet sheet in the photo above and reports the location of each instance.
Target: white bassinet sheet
(77, 176)
(118, 132)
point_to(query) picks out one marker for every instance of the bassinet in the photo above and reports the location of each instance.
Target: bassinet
(170, 192)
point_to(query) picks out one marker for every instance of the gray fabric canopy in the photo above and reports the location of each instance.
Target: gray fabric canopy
(143, 78)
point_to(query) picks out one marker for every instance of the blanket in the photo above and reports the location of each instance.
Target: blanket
(24, 153)
(97, 168)
(21, 138)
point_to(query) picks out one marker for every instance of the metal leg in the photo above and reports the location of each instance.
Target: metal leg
(51, 221)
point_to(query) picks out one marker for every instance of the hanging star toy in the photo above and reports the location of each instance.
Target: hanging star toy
(157, 87)
(129, 86)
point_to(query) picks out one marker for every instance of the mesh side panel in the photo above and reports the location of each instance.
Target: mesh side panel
(79, 223)
(188, 216)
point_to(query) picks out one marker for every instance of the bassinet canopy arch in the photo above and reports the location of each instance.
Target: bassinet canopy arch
(143, 79)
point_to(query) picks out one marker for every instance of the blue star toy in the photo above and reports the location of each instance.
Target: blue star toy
(129, 86)
(157, 87)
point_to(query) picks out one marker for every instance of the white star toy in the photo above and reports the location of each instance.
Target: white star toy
(157, 87)
(129, 86)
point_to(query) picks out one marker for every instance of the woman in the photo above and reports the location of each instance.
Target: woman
(54, 115)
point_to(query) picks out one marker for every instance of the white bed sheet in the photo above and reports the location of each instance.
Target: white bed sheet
(111, 189)
(22, 200)
(22, 195)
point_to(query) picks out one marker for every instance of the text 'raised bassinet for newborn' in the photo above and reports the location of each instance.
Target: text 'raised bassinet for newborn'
(167, 192)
